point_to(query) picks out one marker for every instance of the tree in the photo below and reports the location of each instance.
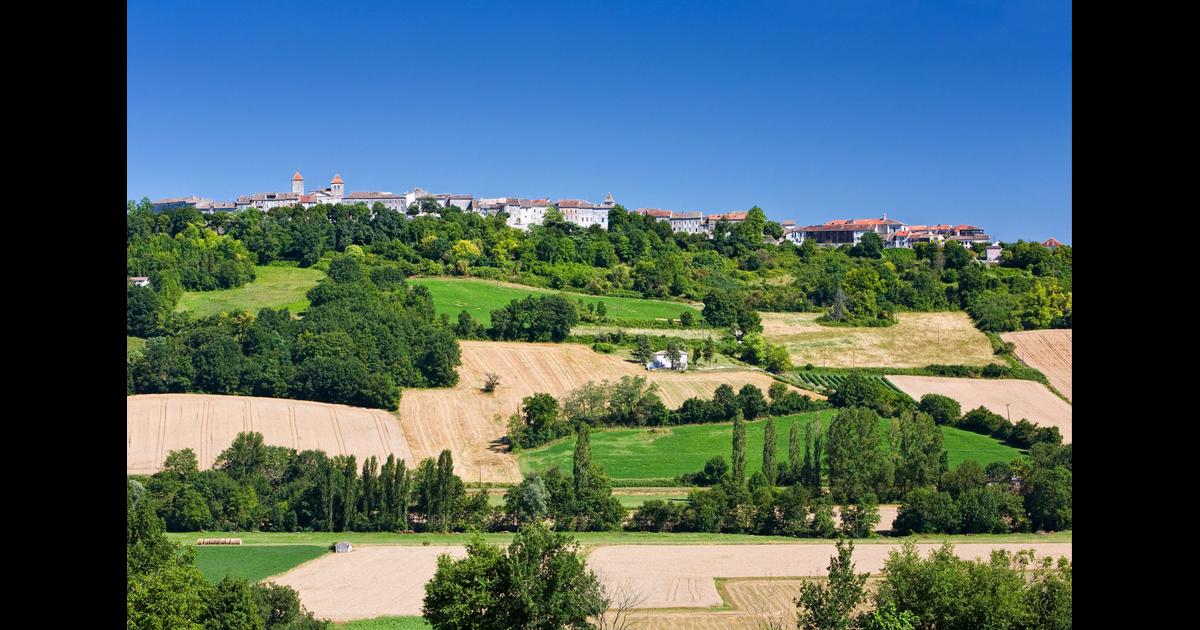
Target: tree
(944, 409)
(231, 605)
(538, 582)
(830, 606)
(675, 355)
(280, 608)
(582, 461)
(795, 464)
(860, 518)
(642, 352)
(528, 501)
(686, 318)
(770, 447)
(144, 311)
(739, 449)
(857, 462)
(244, 457)
(750, 400)
(490, 382)
(920, 460)
(709, 349)
(1048, 498)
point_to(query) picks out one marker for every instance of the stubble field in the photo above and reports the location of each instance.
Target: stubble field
(158, 423)
(1020, 399)
(917, 340)
(1048, 351)
(389, 580)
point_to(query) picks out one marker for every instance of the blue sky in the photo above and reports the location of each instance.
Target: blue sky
(929, 111)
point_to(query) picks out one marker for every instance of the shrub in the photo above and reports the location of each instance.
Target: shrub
(943, 409)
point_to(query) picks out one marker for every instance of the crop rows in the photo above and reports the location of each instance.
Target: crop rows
(827, 382)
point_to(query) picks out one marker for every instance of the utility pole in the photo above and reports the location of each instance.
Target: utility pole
(1009, 412)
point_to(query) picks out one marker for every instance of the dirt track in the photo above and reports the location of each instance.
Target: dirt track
(373, 581)
(1048, 351)
(1026, 399)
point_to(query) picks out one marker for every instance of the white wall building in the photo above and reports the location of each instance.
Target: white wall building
(334, 193)
(661, 360)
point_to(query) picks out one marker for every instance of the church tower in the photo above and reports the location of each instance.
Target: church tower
(298, 183)
(337, 186)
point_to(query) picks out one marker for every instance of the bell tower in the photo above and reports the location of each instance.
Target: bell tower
(298, 183)
(337, 187)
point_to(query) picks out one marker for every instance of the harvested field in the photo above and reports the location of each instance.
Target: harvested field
(367, 582)
(919, 339)
(389, 580)
(471, 423)
(207, 424)
(678, 577)
(1048, 351)
(1026, 399)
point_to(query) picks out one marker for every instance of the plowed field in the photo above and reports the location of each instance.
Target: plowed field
(1048, 351)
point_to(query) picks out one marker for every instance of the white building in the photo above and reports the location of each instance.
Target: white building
(687, 222)
(662, 360)
(139, 281)
(334, 193)
(992, 252)
(585, 213)
(523, 213)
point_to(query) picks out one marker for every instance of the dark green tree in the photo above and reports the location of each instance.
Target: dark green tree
(830, 606)
(739, 449)
(770, 447)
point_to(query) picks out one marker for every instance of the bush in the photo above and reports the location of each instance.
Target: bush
(943, 409)
(606, 348)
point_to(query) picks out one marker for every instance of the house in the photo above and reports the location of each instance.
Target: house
(992, 253)
(523, 213)
(343, 547)
(585, 213)
(662, 360)
(846, 231)
(687, 222)
(1051, 243)
(139, 281)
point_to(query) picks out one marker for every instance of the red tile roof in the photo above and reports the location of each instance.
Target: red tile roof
(728, 216)
(654, 212)
(337, 179)
(1051, 242)
(297, 177)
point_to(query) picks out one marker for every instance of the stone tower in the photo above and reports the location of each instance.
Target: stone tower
(298, 183)
(337, 187)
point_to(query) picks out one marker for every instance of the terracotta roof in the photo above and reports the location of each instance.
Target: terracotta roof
(968, 227)
(1051, 242)
(839, 227)
(574, 203)
(297, 177)
(529, 203)
(337, 179)
(138, 278)
(654, 212)
(685, 215)
(372, 195)
(728, 216)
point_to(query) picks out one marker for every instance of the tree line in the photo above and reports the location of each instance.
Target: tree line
(365, 335)
(639, 256)
(634, 401)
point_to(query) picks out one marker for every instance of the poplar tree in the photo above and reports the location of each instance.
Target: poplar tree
(739, 448)
(403, 492)
(794, 453)
(770, 447)
(583, 456)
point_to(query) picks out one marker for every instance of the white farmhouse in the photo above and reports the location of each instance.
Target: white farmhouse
(662, 360)
(139, 281)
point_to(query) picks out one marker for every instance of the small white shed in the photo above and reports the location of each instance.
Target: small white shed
(343, 547)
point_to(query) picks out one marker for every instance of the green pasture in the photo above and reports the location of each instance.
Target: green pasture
(251, 562)
(666, 452)
(273, 287)
(481, 297)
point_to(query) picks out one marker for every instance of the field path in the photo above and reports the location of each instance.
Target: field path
(1048, 351)
(1022, 399)
(377, 580)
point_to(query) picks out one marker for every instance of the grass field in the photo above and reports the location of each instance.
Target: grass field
(134, 345)
(273, 287)
(386, 623)
(827, 382)
(665, 453)
(481, 297)
(917, 340)
(324, 539)
(251, 562)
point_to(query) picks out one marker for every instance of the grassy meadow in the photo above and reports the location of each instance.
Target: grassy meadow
(481, 297)
(251, 562)
(666, 452)
(273, 286)
(386, 623)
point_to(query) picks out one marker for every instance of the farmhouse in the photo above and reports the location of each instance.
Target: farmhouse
(662, 360)
(139, 281)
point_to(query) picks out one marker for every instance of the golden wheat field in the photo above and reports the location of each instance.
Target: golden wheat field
(917, 340)
(1048, 351)
(1008, 397)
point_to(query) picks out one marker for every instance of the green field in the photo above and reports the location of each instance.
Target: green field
(324, 539)
(827, 382)
(251, 562)
(134, 345)
(273, 287)
(386, 623)
(481, 297)
(628, 501)
(664, 453)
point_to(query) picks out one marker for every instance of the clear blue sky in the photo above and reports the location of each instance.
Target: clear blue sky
(928, 111)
